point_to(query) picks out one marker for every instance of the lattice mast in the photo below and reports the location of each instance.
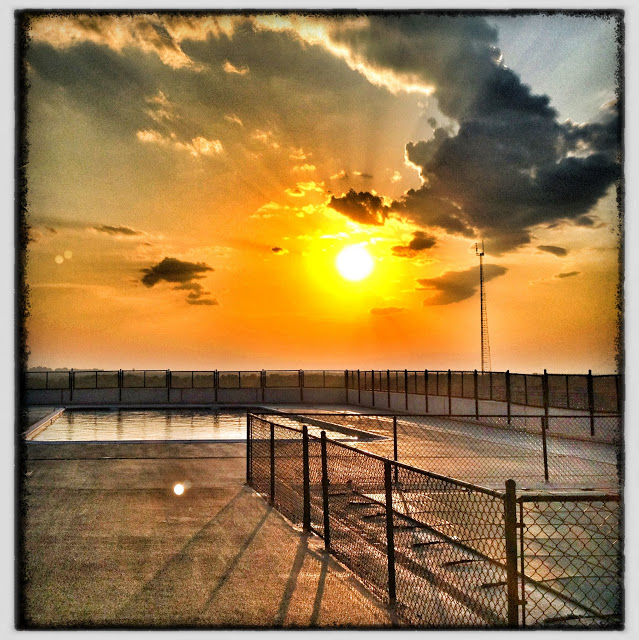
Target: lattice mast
(485, 344)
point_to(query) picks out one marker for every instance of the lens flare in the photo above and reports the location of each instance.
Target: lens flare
(354, 263)
(178, 489)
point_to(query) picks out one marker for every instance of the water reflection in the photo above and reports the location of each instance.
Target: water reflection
(127, 425)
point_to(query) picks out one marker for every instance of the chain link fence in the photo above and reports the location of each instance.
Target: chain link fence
(570, 555)
(444, 553)
(487, 452)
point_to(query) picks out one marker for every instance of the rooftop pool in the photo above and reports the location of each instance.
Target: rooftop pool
(126, 425)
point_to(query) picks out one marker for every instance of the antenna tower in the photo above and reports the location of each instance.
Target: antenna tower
(485, 345)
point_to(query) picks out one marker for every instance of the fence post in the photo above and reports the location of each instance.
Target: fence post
(619, 392)
(359, 388)
(390, 537)
(395, 457)
(508, 393)
(249, 449)
(544, 429)
(327, 528)
(216, 383)
(406, 388)
(388, 384)
(476, 395)
(71, 384)
(591, 403)
(168, 385)
(545, 392)
(272, 493)
(426, 388)
(300, 381)
(262, 382)
(450, 377)
(373, 384)
(526, 389)
(345, 384)
(306, 518)
(120, 382)
(510, 531)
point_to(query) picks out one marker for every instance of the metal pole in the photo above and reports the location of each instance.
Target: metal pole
(591, 403)
(388, 385)
(619, 392)
(345, 384)
(216, 383)
(476, 395)
(359, 388)
(262, 382)
(306, 518)
(390, 539)
(406, 388)
(395, 444)
(544, 387)
(300, 380)
(510, 531)
(544, 428)
(450, 376)
(248, 448)
(120, 382)
(508, 393)
(327, 529)
(272, 463)
(426, 388)
(71, 383)
(168, 385)
(373, 384)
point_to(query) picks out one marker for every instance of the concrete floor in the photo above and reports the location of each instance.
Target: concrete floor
(108, 544)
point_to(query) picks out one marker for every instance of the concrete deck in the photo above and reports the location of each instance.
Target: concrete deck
(108, 544)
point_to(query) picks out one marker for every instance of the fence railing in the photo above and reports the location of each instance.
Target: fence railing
(589, 393)
(445, 553)
(533, 450)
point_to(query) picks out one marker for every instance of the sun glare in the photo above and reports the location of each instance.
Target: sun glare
(354, 263)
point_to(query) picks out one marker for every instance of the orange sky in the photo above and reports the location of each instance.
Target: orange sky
(188, 194)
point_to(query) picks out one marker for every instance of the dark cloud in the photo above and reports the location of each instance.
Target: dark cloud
(386, 311)
(279, 250)
(420, 242)
(560, 252)
(567, 274)
(183, 274)
(362, 207)
(174, 270)
(455, 286)
(118, 231)
(585, 221)
(510, 165)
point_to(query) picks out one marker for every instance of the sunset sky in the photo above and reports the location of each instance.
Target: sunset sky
(193, 178)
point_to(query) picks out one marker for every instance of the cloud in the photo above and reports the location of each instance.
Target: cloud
(231, 68)
(455, 286)
(508, 165)
(362, 207)
(304, 168)
(560, 252)
(266, 138)
(386, 311)
(161, 35)
(233, 118)
(198, 146)
(567, 274)
(420, 242)
(396, 177)
(302, 188)
(340, 175)
(183, 275)
(365, 176)
(118, 231)
(278, 251)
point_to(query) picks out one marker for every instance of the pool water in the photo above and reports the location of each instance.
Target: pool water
(100, 425)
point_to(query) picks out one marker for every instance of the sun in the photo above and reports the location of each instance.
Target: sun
(354, 263)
